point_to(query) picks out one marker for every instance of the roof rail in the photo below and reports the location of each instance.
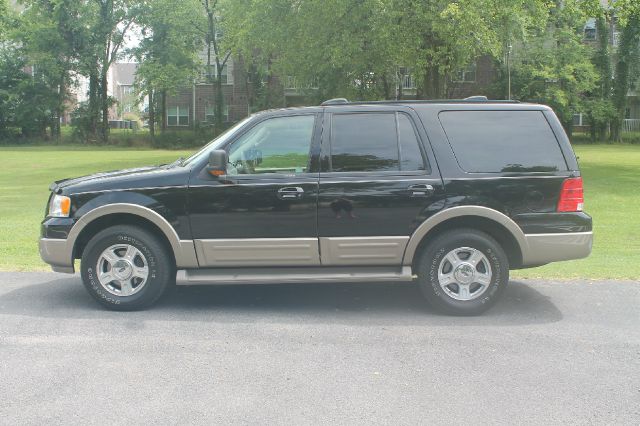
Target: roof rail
(476, 99)
(471, 99)
(335, 101)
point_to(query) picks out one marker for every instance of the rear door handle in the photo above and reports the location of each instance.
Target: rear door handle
(290, 193)
(421, 190)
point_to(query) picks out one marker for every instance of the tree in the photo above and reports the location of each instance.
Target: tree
(628, 61)
(213, 34)
(440, 36)
(167, 52)
(26, 100)
(336, 47)
(4, 13)
(49, 33)
(110, 22)
(358, 47)
(555, 68)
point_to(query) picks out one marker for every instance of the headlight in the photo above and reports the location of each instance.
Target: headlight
(60, 206)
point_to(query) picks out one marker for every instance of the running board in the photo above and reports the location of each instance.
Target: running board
(293, 275)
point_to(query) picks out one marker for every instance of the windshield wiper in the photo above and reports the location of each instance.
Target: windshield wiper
(176, 163)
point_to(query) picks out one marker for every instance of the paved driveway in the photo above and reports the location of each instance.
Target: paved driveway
(548, 353)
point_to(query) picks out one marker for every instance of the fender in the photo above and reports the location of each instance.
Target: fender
(183, 250)
(460, 211)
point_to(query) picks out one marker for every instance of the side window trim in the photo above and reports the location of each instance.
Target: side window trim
(398, 145)
(421, 148)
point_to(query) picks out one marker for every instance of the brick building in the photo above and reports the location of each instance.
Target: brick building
(195, 105)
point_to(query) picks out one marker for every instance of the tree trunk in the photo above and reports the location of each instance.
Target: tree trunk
(219, 103)
(55, 128)
(386, 88)
(401, 84)
(267, 95)
(94, 108)
(152, 116)
(433, 83)
(163, 109)
(104, 125)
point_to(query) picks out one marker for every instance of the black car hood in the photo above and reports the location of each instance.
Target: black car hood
(59, 185)
(154, 176)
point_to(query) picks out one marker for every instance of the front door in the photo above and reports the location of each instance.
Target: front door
(377, 184)
(263, 212)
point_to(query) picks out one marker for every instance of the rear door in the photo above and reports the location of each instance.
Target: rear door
(378, 182)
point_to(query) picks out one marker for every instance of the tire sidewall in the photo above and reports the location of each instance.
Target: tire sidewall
(151, 249)
(430, 263)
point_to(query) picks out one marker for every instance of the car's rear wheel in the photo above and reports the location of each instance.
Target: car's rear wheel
(126, 268)
(463, 272)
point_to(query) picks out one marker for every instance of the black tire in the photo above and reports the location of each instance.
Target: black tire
(160, 264)
(430, 260)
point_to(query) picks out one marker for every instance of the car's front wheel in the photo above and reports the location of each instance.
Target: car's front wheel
(126, 268)
(463, 272)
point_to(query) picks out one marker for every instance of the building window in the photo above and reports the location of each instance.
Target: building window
(466, 75)
(291, 82)
(406, 78)
(408, 82)
(590, 30)
(209, 74)
(178, 116)
(210, 115)
(127, 90)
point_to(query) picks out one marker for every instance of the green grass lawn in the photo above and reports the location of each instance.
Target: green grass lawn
(25, 176)
(612, 197)
(611, 174)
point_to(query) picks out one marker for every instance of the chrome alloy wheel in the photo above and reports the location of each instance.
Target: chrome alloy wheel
(122, 270)
(464, 273)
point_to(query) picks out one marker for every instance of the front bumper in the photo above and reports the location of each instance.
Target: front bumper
(57, 253)
(545, 248)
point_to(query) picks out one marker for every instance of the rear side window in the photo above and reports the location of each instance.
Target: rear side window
(363, 142)
(502, 141)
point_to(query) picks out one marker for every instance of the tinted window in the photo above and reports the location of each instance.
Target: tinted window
(364, 142)
(410, 154)
(502, 141)
(276, 145)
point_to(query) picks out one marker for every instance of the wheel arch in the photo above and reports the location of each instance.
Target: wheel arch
(103, 217)
(498, 225)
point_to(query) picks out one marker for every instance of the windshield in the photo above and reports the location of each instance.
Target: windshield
(217, 142)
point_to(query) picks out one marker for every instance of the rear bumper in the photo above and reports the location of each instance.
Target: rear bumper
(545, 248)
(56, 252)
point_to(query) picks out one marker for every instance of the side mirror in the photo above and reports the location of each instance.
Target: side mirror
(217, 162)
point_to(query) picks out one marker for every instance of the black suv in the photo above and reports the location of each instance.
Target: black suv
(451, 194)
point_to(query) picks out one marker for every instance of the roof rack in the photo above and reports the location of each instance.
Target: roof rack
(470, 99)
(335, 101)
(476, 99)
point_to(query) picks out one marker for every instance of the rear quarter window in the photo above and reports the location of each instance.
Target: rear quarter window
(502, 141)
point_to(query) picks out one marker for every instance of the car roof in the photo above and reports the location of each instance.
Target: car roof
(473, 103)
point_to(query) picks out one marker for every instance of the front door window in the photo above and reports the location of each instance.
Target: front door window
(276, 145)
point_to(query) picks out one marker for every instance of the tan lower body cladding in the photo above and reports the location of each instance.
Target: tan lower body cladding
(301, 251)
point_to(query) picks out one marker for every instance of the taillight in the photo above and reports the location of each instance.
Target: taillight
(571, 196)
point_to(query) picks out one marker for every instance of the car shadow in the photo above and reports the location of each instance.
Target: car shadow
(371, 304)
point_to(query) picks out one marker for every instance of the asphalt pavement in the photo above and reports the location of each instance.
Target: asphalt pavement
(548, 353)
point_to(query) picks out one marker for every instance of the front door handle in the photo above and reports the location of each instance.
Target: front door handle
(421, 190)
(290, 193)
